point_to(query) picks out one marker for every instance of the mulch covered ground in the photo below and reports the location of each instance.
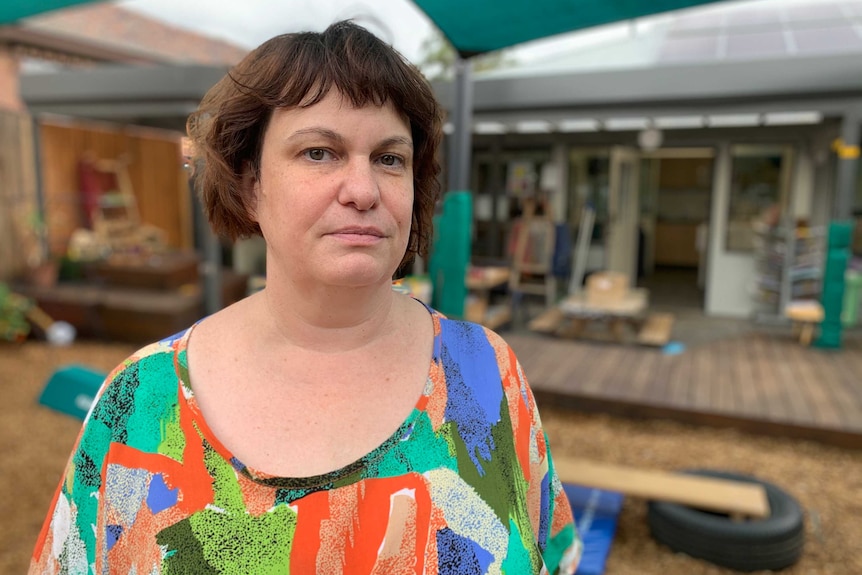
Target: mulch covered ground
(35, 443)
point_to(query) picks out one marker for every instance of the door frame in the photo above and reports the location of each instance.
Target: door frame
(623, 212)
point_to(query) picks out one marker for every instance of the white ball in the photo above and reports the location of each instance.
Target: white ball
(61, 333)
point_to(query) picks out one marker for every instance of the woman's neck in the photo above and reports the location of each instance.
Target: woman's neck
(328, 319)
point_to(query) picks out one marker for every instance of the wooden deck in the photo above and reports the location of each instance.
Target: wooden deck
(758, 381)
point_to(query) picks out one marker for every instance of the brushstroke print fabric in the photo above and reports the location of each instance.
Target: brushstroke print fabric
(465, 486)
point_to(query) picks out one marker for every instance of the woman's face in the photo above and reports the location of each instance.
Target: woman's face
(335, 195)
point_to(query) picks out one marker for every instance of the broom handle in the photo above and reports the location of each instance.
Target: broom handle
(36, 315)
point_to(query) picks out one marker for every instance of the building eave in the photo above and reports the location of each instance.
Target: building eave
(28, 37)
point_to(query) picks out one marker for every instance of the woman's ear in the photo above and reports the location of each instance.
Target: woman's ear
(251, 191)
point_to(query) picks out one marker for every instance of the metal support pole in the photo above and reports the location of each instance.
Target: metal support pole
(462, 122)
(840, 232)
(210, 266)
(848, 166)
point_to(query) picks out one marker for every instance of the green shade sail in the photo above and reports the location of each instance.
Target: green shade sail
(12, 10)
(477, 26)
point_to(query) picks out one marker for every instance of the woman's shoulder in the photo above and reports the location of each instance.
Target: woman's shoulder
(159, 351)
(467, 331)
(469, 348)
(150, 367)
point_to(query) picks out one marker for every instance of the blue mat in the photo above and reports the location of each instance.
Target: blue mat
(596, 512)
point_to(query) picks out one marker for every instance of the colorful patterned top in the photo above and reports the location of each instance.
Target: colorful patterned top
(466, 484)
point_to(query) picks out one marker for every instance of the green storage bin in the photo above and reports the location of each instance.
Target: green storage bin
(72, 389)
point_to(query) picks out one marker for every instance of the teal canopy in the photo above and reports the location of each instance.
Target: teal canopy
(12, 10)
(477, 26)
(472, 26)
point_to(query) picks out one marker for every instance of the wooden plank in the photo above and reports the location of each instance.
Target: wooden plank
(601, 371)
(769, 401)
(746, 388)
(658, 384)
(721, 392)
(704, 379)
(656, 329)
(819, 400)
(799, 408)
(642, 373)
(712, 494)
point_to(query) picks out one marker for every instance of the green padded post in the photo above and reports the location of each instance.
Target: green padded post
(832, 298)
(852, 293)
(450, 254)
(72, 389)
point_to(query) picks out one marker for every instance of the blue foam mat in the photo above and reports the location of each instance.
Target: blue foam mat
(596, 513)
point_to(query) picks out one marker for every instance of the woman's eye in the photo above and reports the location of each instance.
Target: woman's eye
(316, 154)
(390, 160)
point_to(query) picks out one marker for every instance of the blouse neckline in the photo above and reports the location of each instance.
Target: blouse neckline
(402, 433)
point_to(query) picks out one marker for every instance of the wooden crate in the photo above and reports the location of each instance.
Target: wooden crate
(162, 272)
(141, 316)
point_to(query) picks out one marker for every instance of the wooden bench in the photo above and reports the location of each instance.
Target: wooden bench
(547, 322)
(656, 329)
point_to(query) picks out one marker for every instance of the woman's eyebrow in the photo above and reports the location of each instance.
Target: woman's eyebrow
(315, 131)
(336, 137)
(396, 140)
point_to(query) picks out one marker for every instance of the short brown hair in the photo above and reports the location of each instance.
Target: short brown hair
(299, 70)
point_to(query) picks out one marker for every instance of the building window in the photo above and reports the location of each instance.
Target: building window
(758, 192)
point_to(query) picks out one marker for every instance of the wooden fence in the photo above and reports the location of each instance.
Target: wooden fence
(20, 245)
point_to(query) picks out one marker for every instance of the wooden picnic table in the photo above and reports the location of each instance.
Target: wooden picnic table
(580, 312)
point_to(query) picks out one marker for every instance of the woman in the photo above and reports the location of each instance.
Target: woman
(326, 424)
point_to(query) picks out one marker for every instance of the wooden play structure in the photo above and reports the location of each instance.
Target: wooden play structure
(111, 208)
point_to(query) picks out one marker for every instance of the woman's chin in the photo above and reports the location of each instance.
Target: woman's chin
(358, 276)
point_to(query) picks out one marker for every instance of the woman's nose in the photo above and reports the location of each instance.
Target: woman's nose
(360, 188)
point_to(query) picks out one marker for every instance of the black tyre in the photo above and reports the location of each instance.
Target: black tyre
(772, 543)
